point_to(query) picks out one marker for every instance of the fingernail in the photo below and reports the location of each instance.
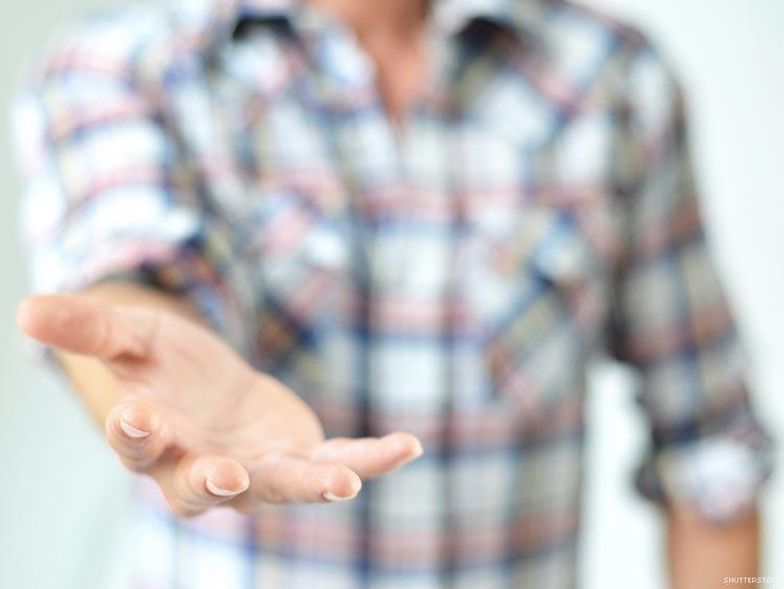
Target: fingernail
(412, 449)
(218, 491)
(131, 431)
(418, 449)
(329, 496)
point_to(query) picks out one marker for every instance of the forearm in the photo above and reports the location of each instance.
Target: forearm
(702, 555)
(89, 377)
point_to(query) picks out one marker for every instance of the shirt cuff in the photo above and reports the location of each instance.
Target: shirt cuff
(176, 270)
(718, 476)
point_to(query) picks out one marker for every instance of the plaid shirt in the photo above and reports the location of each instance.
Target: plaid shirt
(452, 278)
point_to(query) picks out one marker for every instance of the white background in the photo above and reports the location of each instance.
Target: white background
(62, 495)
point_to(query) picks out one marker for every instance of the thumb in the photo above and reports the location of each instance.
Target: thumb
(83, 325)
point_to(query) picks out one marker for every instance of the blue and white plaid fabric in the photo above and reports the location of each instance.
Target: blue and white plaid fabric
(452, 277)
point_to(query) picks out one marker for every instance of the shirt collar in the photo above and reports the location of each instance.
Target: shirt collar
(524, 17)
(452, 16)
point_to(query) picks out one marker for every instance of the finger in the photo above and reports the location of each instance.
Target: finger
(137, 434)
(83, 325)
(197, 483)
(370, 457)
(281, 478)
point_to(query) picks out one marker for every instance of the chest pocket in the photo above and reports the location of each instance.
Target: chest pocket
(534, 287)
(301, 255)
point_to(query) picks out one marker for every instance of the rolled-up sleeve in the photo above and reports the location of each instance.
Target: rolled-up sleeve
(672, 321)
(107, 193)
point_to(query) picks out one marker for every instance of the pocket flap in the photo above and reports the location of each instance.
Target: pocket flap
(562, 255)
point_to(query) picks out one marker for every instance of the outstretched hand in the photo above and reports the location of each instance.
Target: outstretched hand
(204, 424)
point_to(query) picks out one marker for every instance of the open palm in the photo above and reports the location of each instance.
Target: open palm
(192, 414)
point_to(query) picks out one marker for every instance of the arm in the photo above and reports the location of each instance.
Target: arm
(180, 404)
(701, 555)
(709, 454)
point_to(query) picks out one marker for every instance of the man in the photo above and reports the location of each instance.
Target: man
(412, 225)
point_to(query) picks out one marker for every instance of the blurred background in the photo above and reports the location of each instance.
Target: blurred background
(63, 496)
